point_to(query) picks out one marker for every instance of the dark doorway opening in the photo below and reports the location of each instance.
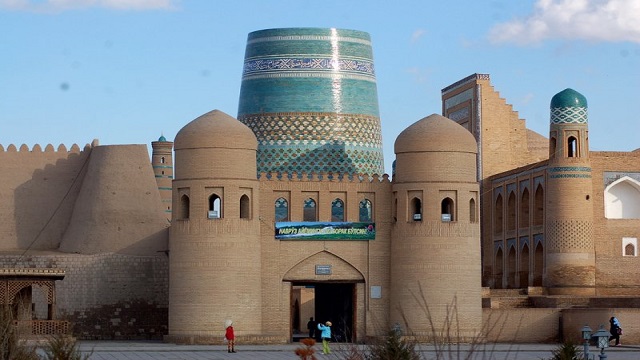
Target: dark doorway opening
(333, 302)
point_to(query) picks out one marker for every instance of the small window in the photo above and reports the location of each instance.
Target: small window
(215, 207)
(472, 211)
(365, 211)
(282, 210)
(629, 247)
(629, 250)
(416, 208)
(245, 207)
(310, 210)
(446, 211)
(572, 147)
(184, 207)
(162, 160)
(337, 210)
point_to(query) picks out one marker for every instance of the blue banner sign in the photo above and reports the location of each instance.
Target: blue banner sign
(325, 231)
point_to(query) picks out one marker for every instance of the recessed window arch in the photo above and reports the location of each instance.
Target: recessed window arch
(183, 212)
(416, 209)
(337, 210)
(524, 209)
(365, 211)
(497, 215)
(446, 209)
(281, 207)
(629, 246)
(162, 160)
(498, 269)
(245, 207)
(538, 206)
(622, 199)
(215, 207)
(511, 211)
(473, 216)
(310, 210)
(552, 147)
(572, 146)
(538, 264)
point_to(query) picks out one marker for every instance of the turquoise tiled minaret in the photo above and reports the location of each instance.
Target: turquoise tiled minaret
(310, 97)
(569, 242)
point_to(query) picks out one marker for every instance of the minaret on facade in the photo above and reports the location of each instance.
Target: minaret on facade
(162, 162)
(570, 254)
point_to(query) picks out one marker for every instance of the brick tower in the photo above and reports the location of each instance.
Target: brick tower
(162, 162)
(214, 243)
(435, 241)
(570, 255)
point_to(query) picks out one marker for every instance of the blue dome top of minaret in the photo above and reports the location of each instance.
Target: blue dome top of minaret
(162, 138)
(568, 107)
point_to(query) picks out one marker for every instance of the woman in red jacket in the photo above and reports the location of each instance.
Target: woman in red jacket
(230, 336)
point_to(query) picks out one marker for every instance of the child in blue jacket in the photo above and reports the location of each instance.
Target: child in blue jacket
(326, 336)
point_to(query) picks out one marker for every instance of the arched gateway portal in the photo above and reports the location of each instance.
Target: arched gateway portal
(327, 288)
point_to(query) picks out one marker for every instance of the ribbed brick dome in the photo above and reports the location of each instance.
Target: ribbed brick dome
(215, 129)
(435, 133)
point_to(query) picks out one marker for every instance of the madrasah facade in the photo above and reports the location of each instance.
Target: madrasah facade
(486, 230)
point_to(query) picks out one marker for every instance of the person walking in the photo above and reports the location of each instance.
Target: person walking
(615, 330)
(230, 336)
(326, 336)
(311, 326)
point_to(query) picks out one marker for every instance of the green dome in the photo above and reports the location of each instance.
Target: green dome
(568, 107)
(568, 98)
(162, 138)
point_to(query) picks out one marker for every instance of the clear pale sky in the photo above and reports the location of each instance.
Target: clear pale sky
(128, 71)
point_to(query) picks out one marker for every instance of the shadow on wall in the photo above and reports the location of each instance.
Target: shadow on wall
(44, 204)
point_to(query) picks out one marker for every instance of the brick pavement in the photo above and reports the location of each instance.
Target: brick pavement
(117, 350)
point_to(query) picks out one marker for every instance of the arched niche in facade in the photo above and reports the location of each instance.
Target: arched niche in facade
(622, 199)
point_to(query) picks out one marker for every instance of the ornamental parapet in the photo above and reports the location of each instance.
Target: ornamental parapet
(323, 177)
(37, 148)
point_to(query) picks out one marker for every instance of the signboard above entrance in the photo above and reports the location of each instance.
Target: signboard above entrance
(325, 231)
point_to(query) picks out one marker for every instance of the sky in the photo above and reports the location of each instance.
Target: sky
(129, 71)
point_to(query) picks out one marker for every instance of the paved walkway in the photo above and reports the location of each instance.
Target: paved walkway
(137, 350)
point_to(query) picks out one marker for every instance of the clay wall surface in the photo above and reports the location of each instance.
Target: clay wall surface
(38, 188)
(118, 208)
(615, 274)
(366, 262)
(107, 296)
(504, 140)
(521, 325)
(554, 325)
(574, 319)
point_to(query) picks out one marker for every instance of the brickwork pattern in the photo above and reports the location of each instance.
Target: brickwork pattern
(107, 296)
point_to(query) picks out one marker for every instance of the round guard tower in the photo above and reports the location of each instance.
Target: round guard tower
(435, 242)
(214, 246)
(570, 252)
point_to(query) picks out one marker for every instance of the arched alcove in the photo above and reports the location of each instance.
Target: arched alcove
(538, 206)
(524, 266)
(622, 199)
(524, 209)
(511, 212)
(183, 211)
(245, 207)
(512, 269)
(498, 215)
(498, 269)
